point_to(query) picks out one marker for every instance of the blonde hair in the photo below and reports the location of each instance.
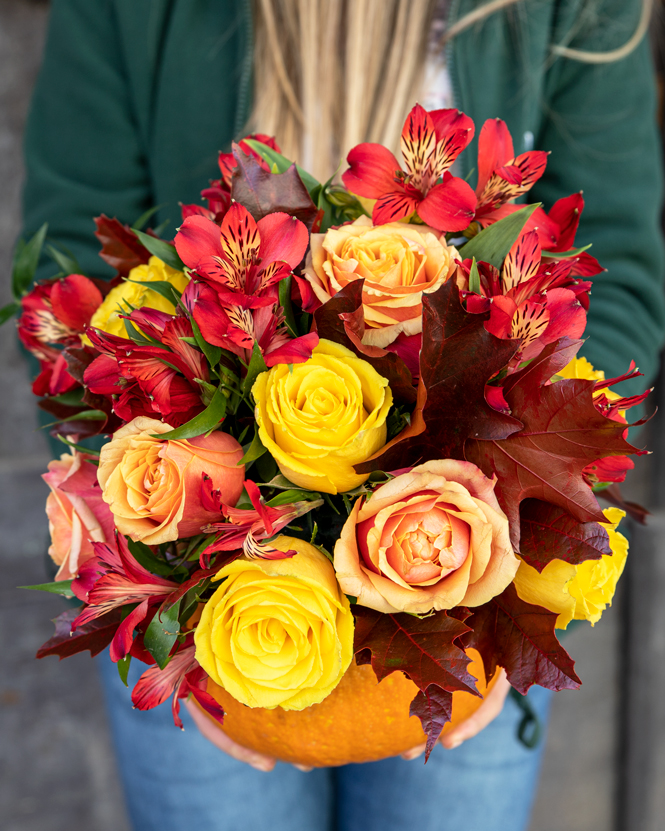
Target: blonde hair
(329, 74)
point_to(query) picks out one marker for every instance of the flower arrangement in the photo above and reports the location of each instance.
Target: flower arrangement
(339, 420)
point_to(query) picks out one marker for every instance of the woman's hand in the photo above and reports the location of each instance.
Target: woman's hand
(219, 738)
(487, 712)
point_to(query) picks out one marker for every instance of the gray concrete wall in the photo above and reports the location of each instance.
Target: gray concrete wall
(57, 771)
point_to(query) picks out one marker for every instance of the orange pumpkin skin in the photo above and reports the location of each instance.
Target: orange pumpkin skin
(360, 721)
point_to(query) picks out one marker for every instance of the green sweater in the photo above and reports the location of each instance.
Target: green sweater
(136, 97)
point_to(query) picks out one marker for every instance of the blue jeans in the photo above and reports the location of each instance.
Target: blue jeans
(176, 780)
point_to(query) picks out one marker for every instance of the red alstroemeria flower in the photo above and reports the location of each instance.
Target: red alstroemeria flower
(180, 677)
(113, 578)
(147, 379)
(240, 264)
(245, 527)
(431, 141)
(502, 176)
(529, 300)
(56, 313)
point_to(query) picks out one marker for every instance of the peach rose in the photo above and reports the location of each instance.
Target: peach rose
(77, 514)
(427, 540)
(398, 263)
(153, 486)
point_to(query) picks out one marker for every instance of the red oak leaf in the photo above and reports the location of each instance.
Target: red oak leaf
(551, 533)
(341, 320)
(94, 636)
(457, 359)
(434, 708)
(120, 246)
(520, 637)
(422, 648)
(563, 432)
(263, 193)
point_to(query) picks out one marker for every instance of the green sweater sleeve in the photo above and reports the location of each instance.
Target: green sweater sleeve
(601, 127)
(84, 151)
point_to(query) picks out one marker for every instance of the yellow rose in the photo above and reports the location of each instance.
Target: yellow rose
(153, 485)
(580, 592)
(128, 295)
(323, 416)
(277, 632)
(583, 369)
(398, 263)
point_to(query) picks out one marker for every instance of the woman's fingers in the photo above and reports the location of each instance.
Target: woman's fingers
(487, 712)
(414, 752)
(223, 742)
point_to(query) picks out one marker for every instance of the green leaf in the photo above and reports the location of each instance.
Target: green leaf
(24, 265)
(164, 250)
(474, 278)
(143, 219)
(563, 255)
(123, 668)
(8, 311)
(66, 261)
(162, 633)
(286, 497)
(254, 451)
(204, 422)
(74, 398)
(282, 163)
(167, 290)
(285, 303)
(212, 353)
(86, 415)
(63, 587)
(145, 557)
(492, 244)
(256, 366)
(280, 483)
(81, 448)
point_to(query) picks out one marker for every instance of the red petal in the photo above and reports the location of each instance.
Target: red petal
(75, 299)
(418, 141)
(501, 316)
(522, 261)
(103, 376)
(60, 380)
(372, 169)
(240, 237)
(447, 121)
(296, 351)
(449, 206)
(197, 238)
(208, 703)
(308, 300)
(124, 637)
(567, 316)
(283, 238)
(196, 210)
(495, 148)
(586, 266)
(565, 213)
(392, 207)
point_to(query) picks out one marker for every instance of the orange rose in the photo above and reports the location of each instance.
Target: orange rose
(153, 486)
(398, 263)
(77, 514)
(427, 540)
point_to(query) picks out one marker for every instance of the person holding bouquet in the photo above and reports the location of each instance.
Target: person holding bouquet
(131, 108)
